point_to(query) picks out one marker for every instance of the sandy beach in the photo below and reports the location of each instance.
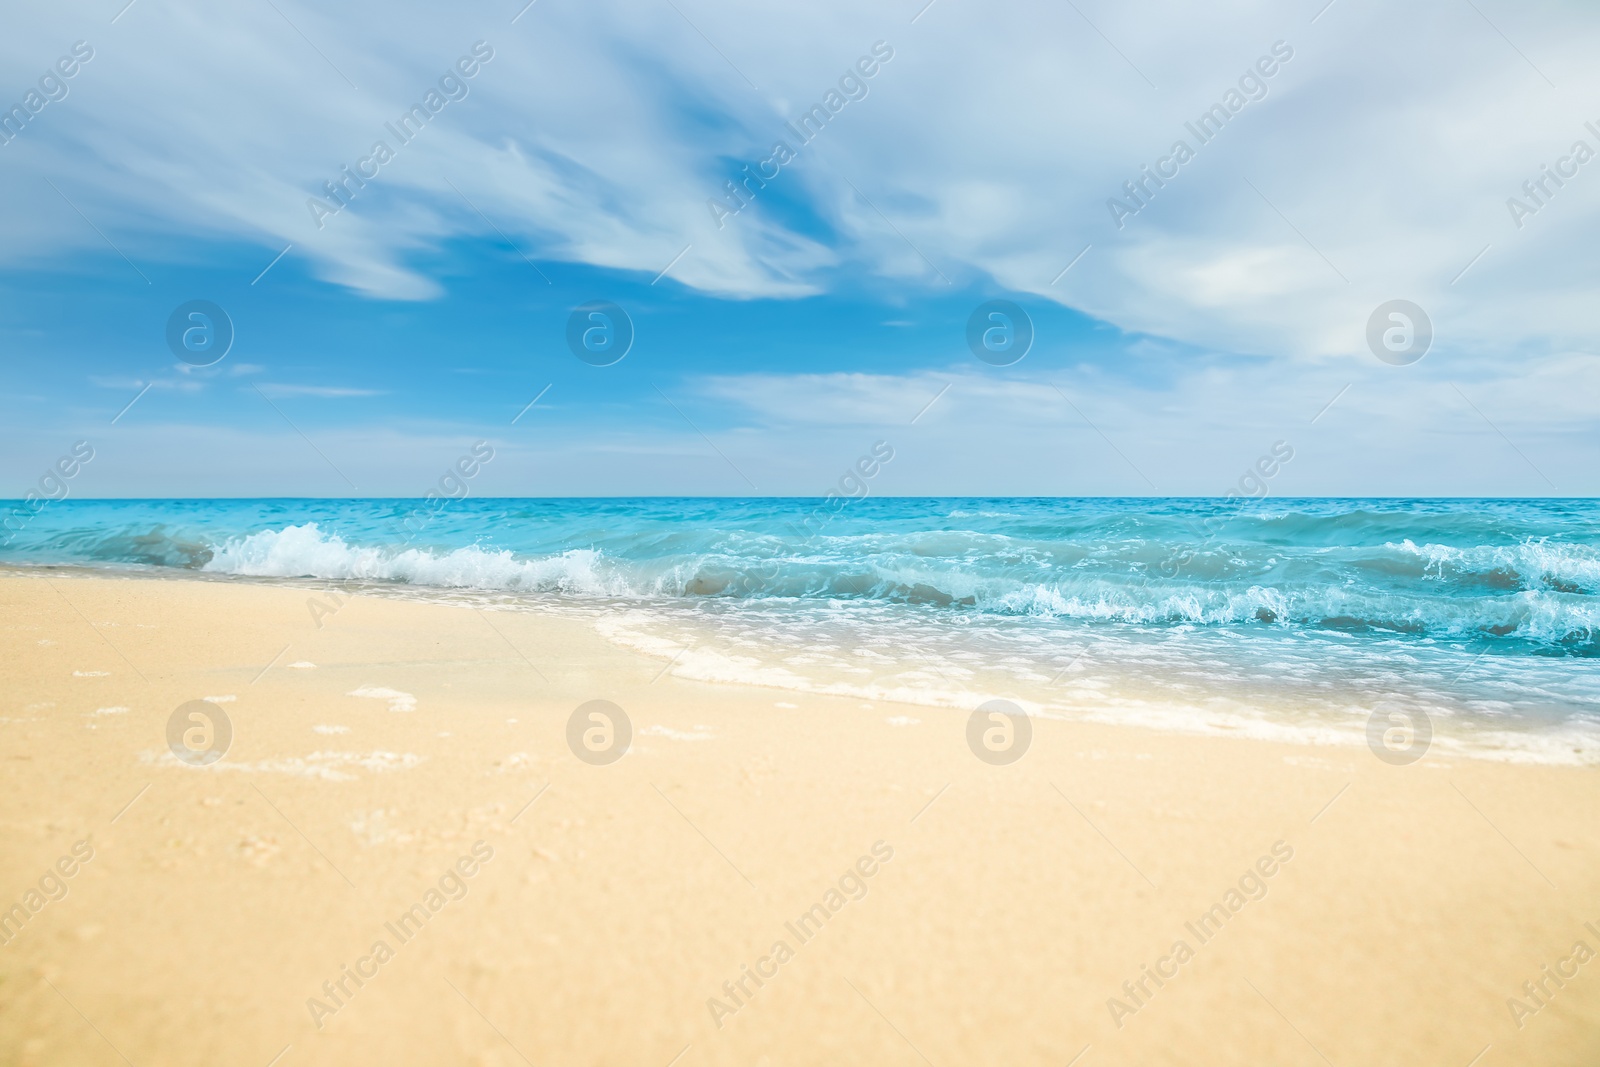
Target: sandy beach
(426, 872)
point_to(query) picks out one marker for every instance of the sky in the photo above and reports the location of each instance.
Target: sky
(913, 163)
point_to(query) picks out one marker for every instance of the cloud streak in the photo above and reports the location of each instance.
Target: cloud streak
(593, 140)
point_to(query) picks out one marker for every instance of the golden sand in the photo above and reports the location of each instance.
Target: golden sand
(427, 874)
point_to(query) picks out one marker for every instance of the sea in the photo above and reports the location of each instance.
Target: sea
(1296, 620)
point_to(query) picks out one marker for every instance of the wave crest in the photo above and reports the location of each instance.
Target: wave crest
(307, 552)
(1547, 610)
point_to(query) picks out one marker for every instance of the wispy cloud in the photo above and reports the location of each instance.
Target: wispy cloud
(576, 152)
(182, 385)
(330, 392)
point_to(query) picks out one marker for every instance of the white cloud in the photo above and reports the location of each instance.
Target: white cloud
(1364, 430)
(1384, 152)
(182, 385)
(277, 390)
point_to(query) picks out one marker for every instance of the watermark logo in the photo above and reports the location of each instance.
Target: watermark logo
(451, 887)
(1252, 86)
(1399, 332)
(451, 486)
(999, 333)
(1538, 190)
(342, 190)
(999, 733)
(851, 886)
(600, 333)
(1251, 488)
(52, 88)
(1399, 738)
(199, 733)
(199, 332)
(853, 484)
(599, 733)
(1251, 886)
(852, 86)
(52, 486)
(1537, 994)
(53, 886)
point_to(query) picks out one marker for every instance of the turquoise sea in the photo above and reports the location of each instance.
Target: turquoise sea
(1283, 618)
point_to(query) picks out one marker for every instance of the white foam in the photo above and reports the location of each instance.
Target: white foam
(935, 573)
(1175, 707)
(700, 733)
(228, 699)
(398, 701)
(325, 728)
(1539, 558)
(374, 829)
(302, 665)
(91, 674)
(306, 552)
(115, 710)
(328, 766)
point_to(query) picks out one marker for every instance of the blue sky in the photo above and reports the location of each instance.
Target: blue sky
(579, 162)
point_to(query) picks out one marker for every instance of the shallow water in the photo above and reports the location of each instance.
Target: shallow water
(1288, 618)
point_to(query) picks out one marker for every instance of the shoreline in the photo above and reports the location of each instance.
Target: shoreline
(1023, 904)
(1574, 742)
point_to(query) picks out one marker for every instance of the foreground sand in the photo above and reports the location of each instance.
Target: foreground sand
(1017, 901)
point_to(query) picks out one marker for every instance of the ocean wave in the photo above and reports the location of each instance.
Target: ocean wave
(1535, 563)
(307, 552)
(1118, 686)
(1545, 606)
(1283, 617)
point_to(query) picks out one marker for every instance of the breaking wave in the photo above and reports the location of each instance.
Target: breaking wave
(1536, 592)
